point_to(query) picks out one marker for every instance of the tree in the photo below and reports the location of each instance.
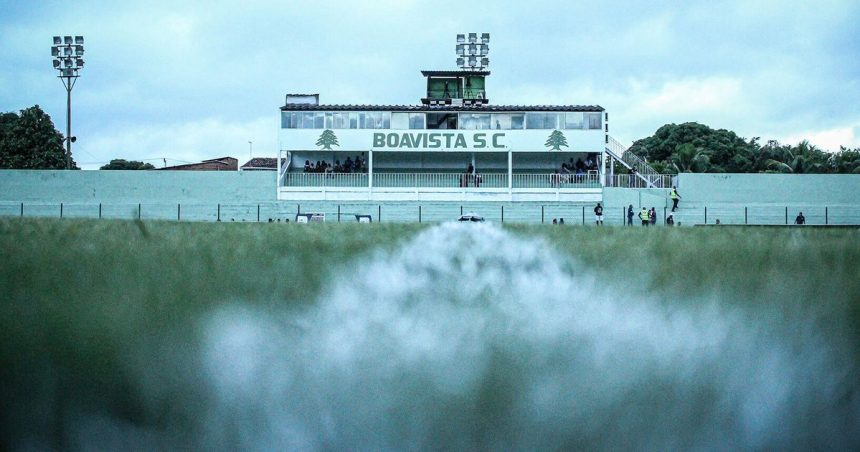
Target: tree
(327, 140)
(845, 161)
(556, 140)
(120, 164)
(689, 159)
(29, 140)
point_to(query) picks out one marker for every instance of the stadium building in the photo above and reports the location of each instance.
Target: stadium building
(455, 145)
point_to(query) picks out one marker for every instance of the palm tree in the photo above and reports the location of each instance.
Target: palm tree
(689, 159)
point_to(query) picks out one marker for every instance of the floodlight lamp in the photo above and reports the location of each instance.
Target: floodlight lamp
(55, 51)
(67, 40)
(461, 49)
(79, 50)
(473, 61)
(56, 64)
(473, 37)
(68, 72)
(473, 49)
(58, 40)
(460, 38)
(68, 62)
(461, 62)
(485, 62)
(79, 40)
(80, 62)
(485, 38)
(485, 49)
(67, 51)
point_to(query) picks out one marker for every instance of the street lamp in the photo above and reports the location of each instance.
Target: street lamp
(68, 55)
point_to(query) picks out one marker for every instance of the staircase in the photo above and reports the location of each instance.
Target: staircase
(650, 177)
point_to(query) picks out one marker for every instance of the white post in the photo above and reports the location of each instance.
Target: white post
(510, 172)
(370, 173)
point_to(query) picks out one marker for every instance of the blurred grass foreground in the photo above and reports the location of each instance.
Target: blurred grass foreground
(160, 335)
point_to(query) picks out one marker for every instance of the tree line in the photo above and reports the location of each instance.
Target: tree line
(697, 148)
(29, 140)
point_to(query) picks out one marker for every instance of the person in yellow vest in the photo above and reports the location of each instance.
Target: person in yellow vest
(675, 197)
(643, 215)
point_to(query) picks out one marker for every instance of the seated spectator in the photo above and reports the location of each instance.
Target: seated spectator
(308, 167)
(589, 164)
(318, 168)
(338, 168)
(347, 165)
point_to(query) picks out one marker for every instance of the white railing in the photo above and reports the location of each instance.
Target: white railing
(556, 180)
(326, 180)
(647, 175)
(639, 181)
(440, 180)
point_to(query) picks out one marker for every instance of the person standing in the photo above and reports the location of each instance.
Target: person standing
(652, 216)
(800, 219)
(643, 215)
(670, 220)
(675, 197)
(630, 215)
(598, 214)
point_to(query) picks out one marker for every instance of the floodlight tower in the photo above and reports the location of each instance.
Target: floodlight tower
(68, 55)
(472, 51)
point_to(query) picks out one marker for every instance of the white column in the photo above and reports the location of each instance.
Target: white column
(370, 169)
(510, 171)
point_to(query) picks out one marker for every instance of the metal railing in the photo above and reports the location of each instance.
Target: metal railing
(649, 176)
(556, 180)
(326, 180)
(639, 181)
(440, 180)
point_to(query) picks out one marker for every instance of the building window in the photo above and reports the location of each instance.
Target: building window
(474, 121)
(542, 120)
(319, 120)
(400, 121)
(285, 120)
(508, 121)
(354, 120)
(307, 120)
(593, 121)
(574, 120)
(340, 120)
(416, 120)
(441, 120)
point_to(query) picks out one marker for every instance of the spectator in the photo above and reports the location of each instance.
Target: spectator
(670, 220)
(631, 179)
(598, 214)
(652, 216)
(675, 197)
(800, 219)
(554, 221)
(308, 167)
(643, 215)
(561, 221)
(630, 215)
(347, 165)
(579, 164)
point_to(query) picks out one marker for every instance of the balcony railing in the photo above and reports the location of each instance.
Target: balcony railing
(640, 181)
(443, 180)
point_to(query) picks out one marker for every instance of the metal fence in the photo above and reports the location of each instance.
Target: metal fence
(407, 212)
(443, 180)
(634, 181)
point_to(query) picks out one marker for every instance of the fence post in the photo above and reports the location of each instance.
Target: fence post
(825, 215)
(379, 213)
(461, 210)
(786, 214)
(541, 214)
(745, 215)
(219, 212)
(100, 211)
(61, 210)
(178, 212)
(503, 213)
(583, 215)
(664, 214)
(706, 214)
(22, 210)
(138, 211)
(419, 213)
(338, 213)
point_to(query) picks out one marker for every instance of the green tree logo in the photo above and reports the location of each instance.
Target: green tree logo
(327, 139)
(556, 140)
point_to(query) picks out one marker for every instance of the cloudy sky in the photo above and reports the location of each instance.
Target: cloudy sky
(192, 80)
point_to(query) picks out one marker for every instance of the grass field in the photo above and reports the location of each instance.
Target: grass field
(143, 335)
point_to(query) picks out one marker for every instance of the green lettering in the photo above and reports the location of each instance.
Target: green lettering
(480, 141)
(448, 137)
(406, 141)
(434, 140)
(393, 140)
(496, 137)
(461, 141)
(378, 140)
(420, 140)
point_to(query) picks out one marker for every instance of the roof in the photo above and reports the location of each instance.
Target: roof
(452, 73)
(262, 162)
(442, 108)
(218, 160)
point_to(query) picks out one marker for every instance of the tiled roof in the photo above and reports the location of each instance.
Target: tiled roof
(441, 108)
(452, 73)
(262, 162)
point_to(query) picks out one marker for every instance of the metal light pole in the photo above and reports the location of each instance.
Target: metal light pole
(68, 55)
(250, 149)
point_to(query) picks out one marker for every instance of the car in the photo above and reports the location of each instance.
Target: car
(471, 217)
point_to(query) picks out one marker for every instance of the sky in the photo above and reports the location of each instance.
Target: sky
(192, 80)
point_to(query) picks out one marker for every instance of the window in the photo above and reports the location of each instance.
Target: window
(307, 120)
(474, 121)
(574, 120)
(340, 120)
(354, 120)
(319, 120)
(441, 120)
(593, 120)
(328, 120)
(285, 120)
(400, 121)
(542, 120)
(508, 121)
(416, 120)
